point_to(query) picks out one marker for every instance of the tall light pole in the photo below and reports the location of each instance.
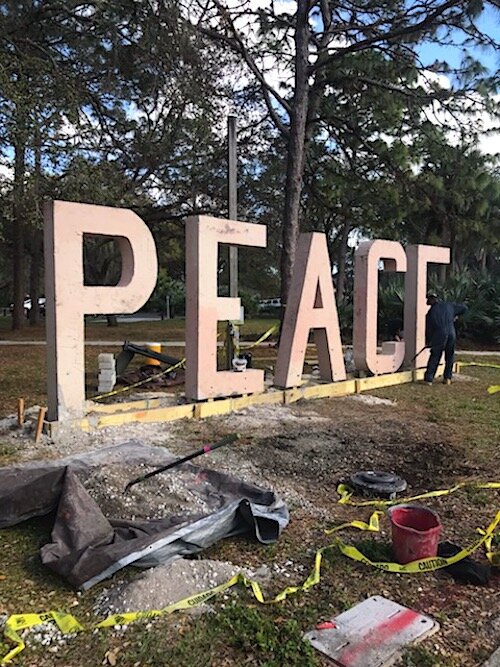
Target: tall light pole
(232, 199)
(232, 206)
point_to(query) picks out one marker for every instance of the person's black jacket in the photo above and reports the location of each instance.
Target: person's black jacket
(440, 322)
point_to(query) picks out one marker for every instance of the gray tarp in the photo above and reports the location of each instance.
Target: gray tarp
(87, 546)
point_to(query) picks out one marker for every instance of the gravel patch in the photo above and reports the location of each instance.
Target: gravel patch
(368, 399)
(178, 491)
(163, 585)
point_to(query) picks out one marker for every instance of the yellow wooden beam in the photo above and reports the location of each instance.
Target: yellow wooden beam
(329, 390)
(268, 398)
(108, 408)
(378, 381)
(150, 410)
(167, 414)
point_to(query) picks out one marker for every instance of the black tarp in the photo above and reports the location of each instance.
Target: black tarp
(87, 546)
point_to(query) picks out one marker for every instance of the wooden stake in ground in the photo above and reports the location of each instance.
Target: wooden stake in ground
(20, 411)
(39, 423)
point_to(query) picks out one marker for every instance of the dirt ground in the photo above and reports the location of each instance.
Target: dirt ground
(301, 452)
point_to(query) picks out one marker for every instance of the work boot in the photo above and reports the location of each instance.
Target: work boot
(446, 381)
(429, 384)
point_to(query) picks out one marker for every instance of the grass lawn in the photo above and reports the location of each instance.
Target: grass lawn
(24, 367)
(457, 429)
(166, 330)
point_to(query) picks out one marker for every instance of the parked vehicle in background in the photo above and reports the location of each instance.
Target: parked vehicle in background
(269, 304)
(41, 306)
(27, 306)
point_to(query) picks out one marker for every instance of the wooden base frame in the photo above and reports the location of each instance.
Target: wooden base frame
(151, 410)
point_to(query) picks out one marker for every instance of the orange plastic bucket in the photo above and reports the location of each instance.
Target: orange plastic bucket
(154, 347)
(415, 532)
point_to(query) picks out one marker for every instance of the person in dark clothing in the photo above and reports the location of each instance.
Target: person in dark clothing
(440, 335)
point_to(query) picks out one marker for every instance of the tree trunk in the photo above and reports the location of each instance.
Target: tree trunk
(295, 150)
(35, 270)
(36, 243)
(112, 320)
(18, 264)
(341, 262)
(446, 240)
(484, 256)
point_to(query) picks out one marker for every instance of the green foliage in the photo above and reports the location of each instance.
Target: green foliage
(250, 302)
(481, 292)
(376, 551)
(175, 290)
(419, 656)
(390, 305)
(274, 645)
(345, 311)
(233, 634)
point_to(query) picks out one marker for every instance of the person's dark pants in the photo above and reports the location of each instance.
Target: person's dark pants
(449, 357)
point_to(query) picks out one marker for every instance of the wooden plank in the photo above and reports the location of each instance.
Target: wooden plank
(272, 397)
(146, 411)
(293, 395)
(378, 381)
(213, 408)
(39, 423)
(167, 414)
(110, 408)
(20, 411)
(330, 390)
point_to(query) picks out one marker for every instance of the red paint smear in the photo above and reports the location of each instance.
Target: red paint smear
(327, 625)
(377, 635)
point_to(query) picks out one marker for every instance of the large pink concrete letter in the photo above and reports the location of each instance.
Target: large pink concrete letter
(68, 300)
(415, 291)
(204, 308)
(311, 305)
(367, 258)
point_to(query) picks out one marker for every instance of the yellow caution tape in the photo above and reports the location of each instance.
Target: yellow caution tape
(238, 348)
(345, 494)
(66, 623)
(478, 363)
(69, 624)
(492, 556)
(141, 382)
(186, 603)
(424, 564)
(373, 525)
(494, 388)
(268, 333)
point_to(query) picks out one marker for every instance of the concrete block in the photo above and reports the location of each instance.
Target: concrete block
(493, 660)
(105, 358)
(107, 374)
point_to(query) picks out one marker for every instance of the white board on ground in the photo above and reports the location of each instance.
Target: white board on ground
(371, 634)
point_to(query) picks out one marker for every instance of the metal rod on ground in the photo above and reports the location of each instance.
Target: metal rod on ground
(39, 423)
(420, 352)
(226, 440)
(232, 208)
(20, 411)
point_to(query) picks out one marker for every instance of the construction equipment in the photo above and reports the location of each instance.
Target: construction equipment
(129, 350)
(377, 483)
(226, 440)
(418, 353)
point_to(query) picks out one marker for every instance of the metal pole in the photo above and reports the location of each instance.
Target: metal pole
(232, 200)
(232, 206)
